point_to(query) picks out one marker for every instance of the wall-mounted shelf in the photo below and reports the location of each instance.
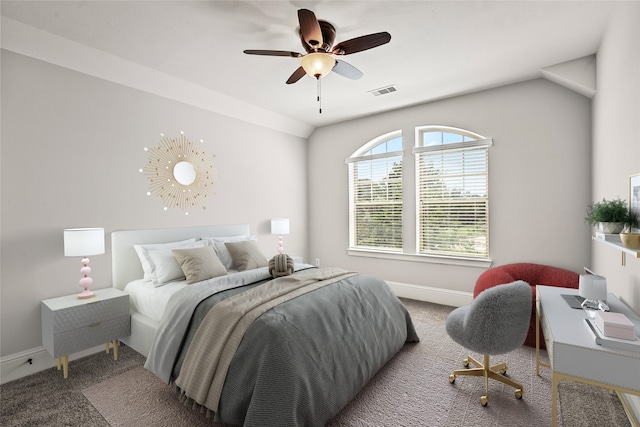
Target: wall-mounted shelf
(614, 241)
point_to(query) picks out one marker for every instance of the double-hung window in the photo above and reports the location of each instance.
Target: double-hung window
(375, 194)
(452, 202)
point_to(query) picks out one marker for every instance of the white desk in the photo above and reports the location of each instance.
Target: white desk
(572, 351)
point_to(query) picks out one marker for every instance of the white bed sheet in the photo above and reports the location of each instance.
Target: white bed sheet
(149, 300)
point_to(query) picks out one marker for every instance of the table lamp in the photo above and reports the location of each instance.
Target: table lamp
(280, 226)
(593, 289)
(84, 242)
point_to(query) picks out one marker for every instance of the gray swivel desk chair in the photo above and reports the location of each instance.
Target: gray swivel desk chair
(496, 322)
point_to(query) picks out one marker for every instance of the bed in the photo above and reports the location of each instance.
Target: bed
(250, 347)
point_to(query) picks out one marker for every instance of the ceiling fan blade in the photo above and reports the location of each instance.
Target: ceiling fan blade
(310, 28)
(297, 75)
(361, 43)
(274, 53)
(347, 70)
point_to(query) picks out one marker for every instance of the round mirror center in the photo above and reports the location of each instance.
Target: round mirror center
(184, 173)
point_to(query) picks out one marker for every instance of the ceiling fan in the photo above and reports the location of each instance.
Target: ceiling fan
(317, 37)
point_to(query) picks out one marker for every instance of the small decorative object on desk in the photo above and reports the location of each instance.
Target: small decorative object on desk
(593, 289)
(600, 339)
(615, 325)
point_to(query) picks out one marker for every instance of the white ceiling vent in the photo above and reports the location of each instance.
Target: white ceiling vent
(383, 90)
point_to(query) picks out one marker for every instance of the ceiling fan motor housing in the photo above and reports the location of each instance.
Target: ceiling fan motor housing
(328, 37)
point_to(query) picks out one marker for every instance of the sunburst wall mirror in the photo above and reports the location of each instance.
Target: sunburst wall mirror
(180, 172)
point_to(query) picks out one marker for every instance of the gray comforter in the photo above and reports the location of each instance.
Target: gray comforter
(302, 361)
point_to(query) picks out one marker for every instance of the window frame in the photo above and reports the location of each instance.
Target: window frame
(420, 148)
(409, 220)
(359, 156)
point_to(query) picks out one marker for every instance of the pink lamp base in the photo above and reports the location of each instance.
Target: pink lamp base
(86, 281)
(86, 294)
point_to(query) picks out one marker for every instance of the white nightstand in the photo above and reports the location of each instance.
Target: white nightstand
(70, 324)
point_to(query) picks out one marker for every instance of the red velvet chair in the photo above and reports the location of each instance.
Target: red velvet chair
(533, 274)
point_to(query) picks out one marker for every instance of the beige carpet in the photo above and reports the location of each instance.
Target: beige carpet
(411, 390)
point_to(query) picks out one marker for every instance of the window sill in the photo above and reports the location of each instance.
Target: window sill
(430, 259)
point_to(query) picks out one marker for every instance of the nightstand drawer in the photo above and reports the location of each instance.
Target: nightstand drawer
(91, 312)
(97, 333)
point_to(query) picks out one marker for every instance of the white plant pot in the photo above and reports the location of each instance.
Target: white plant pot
(610, 227)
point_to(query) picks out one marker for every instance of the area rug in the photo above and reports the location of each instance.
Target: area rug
(412, 389)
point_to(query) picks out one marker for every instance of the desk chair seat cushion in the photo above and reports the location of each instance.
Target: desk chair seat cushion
(496, 322)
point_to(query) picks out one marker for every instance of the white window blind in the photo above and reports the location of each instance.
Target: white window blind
(376, 198)
(453, 204)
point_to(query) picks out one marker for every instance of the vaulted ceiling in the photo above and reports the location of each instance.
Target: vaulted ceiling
(438, 49)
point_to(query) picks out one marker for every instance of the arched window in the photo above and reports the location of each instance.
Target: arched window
(375, 194)
(452, 192)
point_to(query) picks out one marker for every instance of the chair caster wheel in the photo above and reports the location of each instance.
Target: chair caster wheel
(452, 378)
(518, 393)
(503, 371)
(465, 363)
(484, 400)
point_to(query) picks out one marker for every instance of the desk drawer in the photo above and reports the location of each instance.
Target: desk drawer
(548, 337)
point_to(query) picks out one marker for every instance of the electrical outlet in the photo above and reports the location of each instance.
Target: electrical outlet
(317, 262)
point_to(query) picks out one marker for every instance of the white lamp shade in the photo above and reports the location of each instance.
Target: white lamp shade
(317, 64)
(280, 226)
(83, 241)
(593, 287)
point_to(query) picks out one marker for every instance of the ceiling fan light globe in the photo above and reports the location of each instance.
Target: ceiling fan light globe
(317, 64)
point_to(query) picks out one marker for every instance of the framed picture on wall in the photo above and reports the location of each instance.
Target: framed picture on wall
(634, 198)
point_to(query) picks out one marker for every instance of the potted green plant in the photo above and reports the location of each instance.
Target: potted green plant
(609, 216)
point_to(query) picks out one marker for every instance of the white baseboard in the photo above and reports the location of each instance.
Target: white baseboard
(429, 294)
(17, 365)
(631, 405)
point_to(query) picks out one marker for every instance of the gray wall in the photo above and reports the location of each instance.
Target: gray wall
(616, 138)
(71, 149)
(539, 179)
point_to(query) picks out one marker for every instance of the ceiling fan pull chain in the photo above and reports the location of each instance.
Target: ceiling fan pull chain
(319, 98)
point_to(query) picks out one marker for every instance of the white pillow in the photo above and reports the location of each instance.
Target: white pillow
(142, 251)
(167, 269)
(222, 251)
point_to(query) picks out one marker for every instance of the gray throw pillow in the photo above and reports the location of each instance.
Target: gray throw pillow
(246, 255)
(199, 263)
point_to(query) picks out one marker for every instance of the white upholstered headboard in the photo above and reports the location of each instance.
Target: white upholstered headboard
(125, 264)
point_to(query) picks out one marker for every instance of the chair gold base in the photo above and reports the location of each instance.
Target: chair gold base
(495, 372)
